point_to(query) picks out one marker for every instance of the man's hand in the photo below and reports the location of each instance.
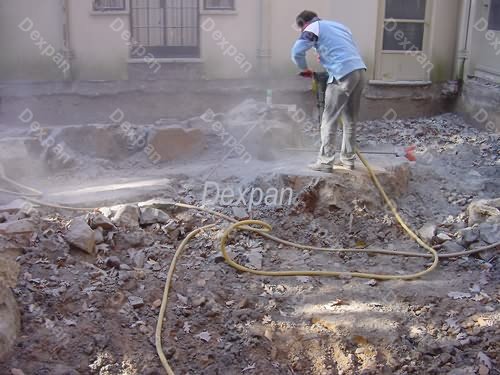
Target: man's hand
(306, 73)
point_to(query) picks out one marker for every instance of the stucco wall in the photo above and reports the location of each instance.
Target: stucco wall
(20, 58)
(361, 17)
(485, 51)
(239, 31)
(444, 39)
(242, 30)
(100, 53)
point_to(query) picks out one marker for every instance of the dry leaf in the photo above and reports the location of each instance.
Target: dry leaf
(360, 244)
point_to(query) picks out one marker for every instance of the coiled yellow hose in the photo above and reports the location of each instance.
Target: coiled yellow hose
(266, 228)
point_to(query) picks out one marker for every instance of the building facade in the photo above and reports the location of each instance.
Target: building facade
(400, 40)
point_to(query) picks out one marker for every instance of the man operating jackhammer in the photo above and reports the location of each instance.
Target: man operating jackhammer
(340, 57)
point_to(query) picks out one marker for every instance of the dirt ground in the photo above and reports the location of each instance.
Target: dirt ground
(96, 313)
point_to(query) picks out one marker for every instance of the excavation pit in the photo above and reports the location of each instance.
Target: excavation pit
(95, 309)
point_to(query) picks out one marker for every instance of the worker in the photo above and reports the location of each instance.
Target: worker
(339, 55)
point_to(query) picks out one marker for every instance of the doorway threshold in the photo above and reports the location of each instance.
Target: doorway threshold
(375, 82)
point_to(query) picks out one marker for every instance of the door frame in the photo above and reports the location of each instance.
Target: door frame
(426, 49)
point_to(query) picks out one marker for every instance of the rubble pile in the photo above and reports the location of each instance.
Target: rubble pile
(88, 285)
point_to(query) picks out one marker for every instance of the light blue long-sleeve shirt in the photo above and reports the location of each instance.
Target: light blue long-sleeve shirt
(335, 45)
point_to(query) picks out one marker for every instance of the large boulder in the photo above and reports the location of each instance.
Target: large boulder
(175, 142)
(10, 321)
(99, 141)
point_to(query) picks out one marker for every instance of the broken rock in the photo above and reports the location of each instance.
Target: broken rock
(113, 262)
(127, 216)
(255, 259)
(139, 259)
(101, 221)
(152, 215)
(490, 232)
(427, 232)
(9, 271)
(452, 247)
(469, 235)
(129, 240)
(240, 213)
(443, 237)
(16, 205)
(10, 321)
(481, 210)
(81, 236)
(135, 302)
(17, 227)
(99, 235)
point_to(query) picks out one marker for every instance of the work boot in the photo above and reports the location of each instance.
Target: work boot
(349, 165)
(320, 167)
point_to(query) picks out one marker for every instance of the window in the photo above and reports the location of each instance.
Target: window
(219, 5)
(109, 5)
(403, 36)
(405, 9)
(494, 21)
(404, 25)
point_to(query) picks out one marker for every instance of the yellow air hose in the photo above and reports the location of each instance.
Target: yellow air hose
(246, 225)
(159, 324)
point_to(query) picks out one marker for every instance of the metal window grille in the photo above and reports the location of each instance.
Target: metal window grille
(494, 19)
(219, 4)
(166, 28)
(104, 5)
